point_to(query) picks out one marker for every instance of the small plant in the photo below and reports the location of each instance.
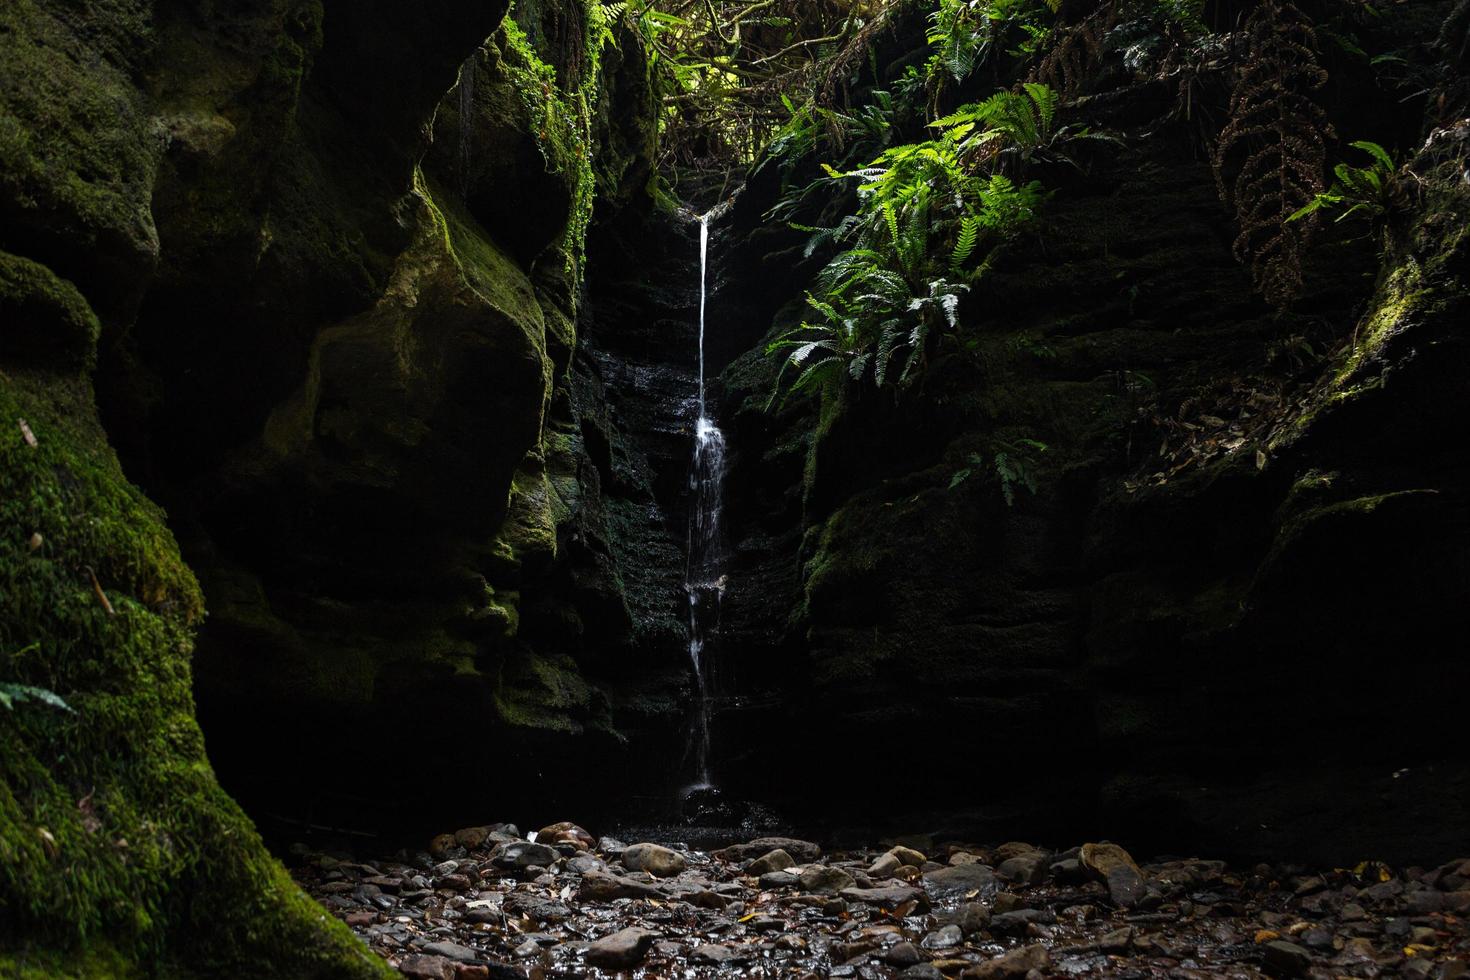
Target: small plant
(13, 694)
(964, 33)
(1013, 464)
(1369, 190)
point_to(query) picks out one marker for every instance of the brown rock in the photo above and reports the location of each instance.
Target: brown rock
(1111, 864)
(566, 832)
(471, 837)
(803, 851)
(1016, 963)
(599, 886)
(777, 860)
(889, 897)
(426, 967)
(657, 860)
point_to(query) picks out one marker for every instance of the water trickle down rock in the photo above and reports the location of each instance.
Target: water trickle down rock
(703, 580)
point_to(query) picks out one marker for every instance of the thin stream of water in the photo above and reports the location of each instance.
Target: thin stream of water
(703, 577)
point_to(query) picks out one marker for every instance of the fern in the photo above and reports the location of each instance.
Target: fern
(1045, 99)
(1282, 133)
(1372, 190)
(965, 242)
(13, 694)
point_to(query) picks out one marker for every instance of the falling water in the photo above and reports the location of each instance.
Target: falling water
(703, 580)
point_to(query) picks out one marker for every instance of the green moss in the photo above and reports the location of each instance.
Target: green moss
(528, 534)
(549, 693)
(45, 318)
(117, 846)
(560, 114)
(76, 155)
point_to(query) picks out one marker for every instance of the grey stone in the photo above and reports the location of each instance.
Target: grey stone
(887, 897)
(959, 881)
(452, 951)
(624, 948)
(902, 955)
(522, 854)
(1286, 959)
(711, 955)
(825, 880)
(946, 938)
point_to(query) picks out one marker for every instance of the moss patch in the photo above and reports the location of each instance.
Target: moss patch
(119, 853)
(46, 319)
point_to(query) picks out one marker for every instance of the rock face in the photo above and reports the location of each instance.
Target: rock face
(1227, 549)
(115, 837)
(344, 355)
(348, 372)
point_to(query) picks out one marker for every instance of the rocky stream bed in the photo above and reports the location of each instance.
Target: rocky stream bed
(487, 902)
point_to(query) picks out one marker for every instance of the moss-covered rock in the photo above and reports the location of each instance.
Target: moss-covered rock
(47, 322)
(121, 854)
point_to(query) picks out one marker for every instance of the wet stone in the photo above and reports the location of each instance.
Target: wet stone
(777, 860)
(1286, 959)
(1116, 867)
(522, 855)
(887, 897)
(960, 881)
(624, 948)
(657, 860)
(576, 919)
(823, 880)
(452, 951)
(712, 955)
(946, 938)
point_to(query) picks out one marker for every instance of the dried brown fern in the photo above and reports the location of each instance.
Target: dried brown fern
(1279, 133)
(1076, 51)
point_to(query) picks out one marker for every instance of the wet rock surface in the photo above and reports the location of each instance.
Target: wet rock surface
(950, 910)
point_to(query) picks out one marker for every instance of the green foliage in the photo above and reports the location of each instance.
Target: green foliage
(965, 33)
(730, 70)
(1368, 190)
(12, 694)
(1014, 465)
(560, 113)
(926, 212)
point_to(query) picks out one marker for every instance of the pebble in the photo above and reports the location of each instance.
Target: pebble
(513, 909)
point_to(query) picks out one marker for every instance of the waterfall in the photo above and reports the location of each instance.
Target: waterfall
(703, 579)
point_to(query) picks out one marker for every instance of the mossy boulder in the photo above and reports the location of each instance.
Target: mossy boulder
(121, 854)
(47, 322)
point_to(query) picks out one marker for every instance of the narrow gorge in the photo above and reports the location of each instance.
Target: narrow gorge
(910, 488)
